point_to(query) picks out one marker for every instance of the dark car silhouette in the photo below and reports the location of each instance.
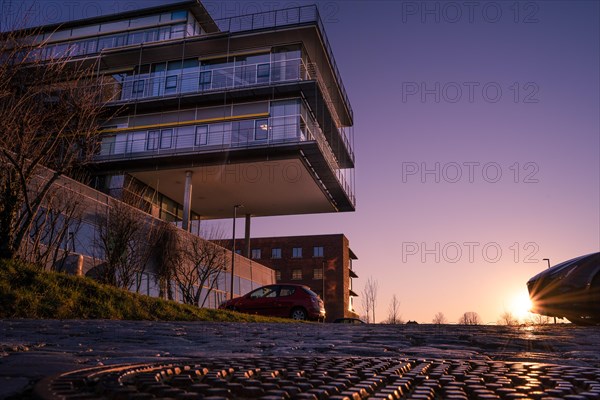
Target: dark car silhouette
(569, 290)
(282, 300)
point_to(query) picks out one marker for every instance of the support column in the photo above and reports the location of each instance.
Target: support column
(187, 201)
(247, 237)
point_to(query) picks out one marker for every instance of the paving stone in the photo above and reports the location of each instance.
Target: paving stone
(502, 357)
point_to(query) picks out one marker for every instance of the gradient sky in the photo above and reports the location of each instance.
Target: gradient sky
(544, 58)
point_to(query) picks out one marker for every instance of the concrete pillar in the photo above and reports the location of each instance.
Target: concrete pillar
(187, 201)
(79, 270)
(247, 237)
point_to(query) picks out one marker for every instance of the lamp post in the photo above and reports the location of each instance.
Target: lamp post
(323, 280)
(548, 261)
(233, 248)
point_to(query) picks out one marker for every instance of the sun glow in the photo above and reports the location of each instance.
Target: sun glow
(521, 306)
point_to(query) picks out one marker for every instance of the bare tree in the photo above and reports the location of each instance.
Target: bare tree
(507, 318)
(203, 263)
(470, 318)
(394, 311)
(168, 258)
(439, 318)
(51, 237)
(128, 241)
(369, 298)
(48, 118)
(538, 319)
(365, 302)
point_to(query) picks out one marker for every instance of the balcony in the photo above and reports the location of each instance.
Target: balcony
(304, 15)
(119, 90)
(255, 134)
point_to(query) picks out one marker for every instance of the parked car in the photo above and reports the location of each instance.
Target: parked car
(282, 300)
(569, 290)
(348, 321)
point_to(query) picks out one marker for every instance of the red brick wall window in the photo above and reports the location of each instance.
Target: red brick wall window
(277, 276)
(297, 252)
(276, 253)
(318, 251)
(256, 254)
(318, 273)
(296, 274)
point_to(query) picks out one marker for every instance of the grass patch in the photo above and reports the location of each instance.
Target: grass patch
(27, 292)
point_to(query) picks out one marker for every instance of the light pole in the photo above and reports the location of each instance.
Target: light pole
(233, 248)
(323, 280)
(548, 261)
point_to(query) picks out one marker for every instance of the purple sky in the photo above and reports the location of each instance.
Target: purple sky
(541, 132)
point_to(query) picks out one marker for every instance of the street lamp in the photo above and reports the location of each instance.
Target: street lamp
(548, 261)
(233, 248)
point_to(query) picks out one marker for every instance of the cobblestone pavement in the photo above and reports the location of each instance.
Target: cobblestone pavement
(34, 349)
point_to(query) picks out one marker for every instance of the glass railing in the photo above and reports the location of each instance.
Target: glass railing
(244, 134)
(278, 18)
(201, 80)
(209, 80)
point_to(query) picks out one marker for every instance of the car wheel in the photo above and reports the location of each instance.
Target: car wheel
(231, 308)
(298, 314)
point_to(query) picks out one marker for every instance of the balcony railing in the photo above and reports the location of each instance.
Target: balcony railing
(286, 17)
(204, 80)
(213, 80)
(194, 139)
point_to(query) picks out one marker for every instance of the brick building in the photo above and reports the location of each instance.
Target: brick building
(322, 262)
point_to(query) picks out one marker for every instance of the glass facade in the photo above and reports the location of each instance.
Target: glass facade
(196, 76)
(289, 121)
(92, 39)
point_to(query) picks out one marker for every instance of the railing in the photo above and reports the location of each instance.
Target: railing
(194, 139)
(286, 17)
(217, 79)
(204, 80)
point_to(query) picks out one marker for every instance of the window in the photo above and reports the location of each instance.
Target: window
(177, 31)
(318, 251)
(166, 138)
(238, 251)
(318, 273)
(297, 252)
(261, 129)
(296, 274)
(171, 82)
(138, 86)
(263, 72)
(267, 291)
(180, 14)
(152, 141)
(276, 253)
(205, 80)
(278, 275)
(287, 291)
(201, 135)
(256, 254)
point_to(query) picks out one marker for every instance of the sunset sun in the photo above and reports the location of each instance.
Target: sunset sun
(520, 306)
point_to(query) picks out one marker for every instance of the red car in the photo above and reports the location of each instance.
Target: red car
(284, 300)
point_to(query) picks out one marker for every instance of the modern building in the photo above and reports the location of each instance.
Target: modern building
(245, 110)
(210, 114)
(322, 262)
